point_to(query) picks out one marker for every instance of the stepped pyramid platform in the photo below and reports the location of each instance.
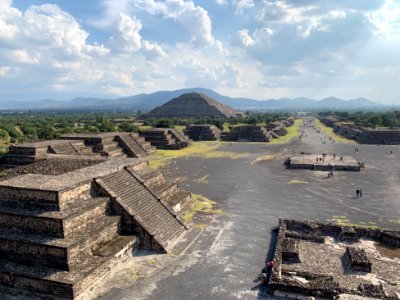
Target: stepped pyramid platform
(315, 259)
(203, 132)
(322, 162)
(60, 234)
(101, 144)
(191, 105)
(166, 138)
(248, 133)
(383, 136)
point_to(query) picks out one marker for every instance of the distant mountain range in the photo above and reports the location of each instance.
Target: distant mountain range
(146, 102)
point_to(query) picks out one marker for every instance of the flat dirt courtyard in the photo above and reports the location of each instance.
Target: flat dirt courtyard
(253, 189)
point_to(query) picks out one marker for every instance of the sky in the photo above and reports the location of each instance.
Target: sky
(259, 49)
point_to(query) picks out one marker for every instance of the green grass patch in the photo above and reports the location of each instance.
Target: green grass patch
(163, 157)
(344, 221)
(292, 132)
(223, 154)
(198, 149)
(200, 204)
(329, 132)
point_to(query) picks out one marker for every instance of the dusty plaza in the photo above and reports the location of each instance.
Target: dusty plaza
(251, 186)
(242, 189)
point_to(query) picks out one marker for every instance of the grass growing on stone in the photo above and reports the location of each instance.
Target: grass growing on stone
(295, 181)
(223, 154)
(265, 157)
(344, 221)
(292, 132)
(163, 157)
(200, 204)
(329, 132)
(198, 149)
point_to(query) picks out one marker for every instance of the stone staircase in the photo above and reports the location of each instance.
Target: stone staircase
(165, 138)
(115, 144)
(57, 234)
(248, 134)
(176, 200)
(203, 132)
(134, 145)
(145, 214)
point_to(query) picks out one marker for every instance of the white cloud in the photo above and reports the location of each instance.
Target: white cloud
(126, 36)
(152, 51)
(243, 38)
(194, 18)
(241, 5)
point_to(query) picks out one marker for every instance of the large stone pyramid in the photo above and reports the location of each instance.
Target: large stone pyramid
(191, 105)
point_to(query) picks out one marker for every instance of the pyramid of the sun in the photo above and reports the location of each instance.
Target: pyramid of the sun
(191, 105)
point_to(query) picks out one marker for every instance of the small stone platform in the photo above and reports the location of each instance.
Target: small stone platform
(331, 267)
(203, 132)
(323, 162)
(166, 138)
(111, 144)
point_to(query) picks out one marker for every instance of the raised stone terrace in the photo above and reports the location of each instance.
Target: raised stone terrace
(248, 133)
(102, 144)
(203, 132)
(323, 162)
(332, 266)
(166, 138)
(60, 234)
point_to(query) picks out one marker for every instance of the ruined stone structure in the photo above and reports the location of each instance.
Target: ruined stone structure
(203, 132)
(191, 105)
(383, 136)
(312, 259)
(101, 144)
(248, 133)
(363, 135)
(59, 234)
(323, 162)
(165, 138)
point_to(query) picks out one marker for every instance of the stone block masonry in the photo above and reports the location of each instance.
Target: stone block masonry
(108, 145)
(331, 267)
(165, 138)
(60, 234)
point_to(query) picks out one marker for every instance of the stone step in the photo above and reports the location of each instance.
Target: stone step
(111, 147)
(33, 249)
(41, 198)
(178, 201)
(131, 146)
(116, 153)
(45, 282)
(152, 177)
(65, 149)
(143, 206)
(16, 159)
(54, 223)
(164, 188)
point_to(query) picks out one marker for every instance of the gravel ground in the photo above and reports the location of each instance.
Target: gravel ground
(225, 261)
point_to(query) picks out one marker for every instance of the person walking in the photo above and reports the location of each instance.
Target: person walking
(358, 193)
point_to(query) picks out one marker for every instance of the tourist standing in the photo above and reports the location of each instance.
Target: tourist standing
(360, 193)
(357, 193)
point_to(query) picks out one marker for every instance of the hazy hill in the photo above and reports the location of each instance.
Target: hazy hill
(146, 102)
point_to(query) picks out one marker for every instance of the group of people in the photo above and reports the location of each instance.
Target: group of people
(359, 193)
